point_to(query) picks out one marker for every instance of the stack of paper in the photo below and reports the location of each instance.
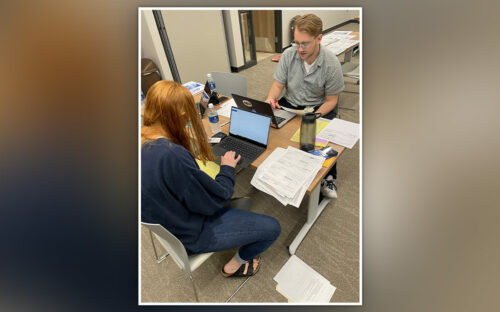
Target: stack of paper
(335, 36)
(341, 132)
(338, 46)
(286, 174)
(339, 34)
(298, 282)
(338, 41)
(194, 87)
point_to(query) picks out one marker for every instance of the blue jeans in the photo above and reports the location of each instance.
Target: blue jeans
(230, 228)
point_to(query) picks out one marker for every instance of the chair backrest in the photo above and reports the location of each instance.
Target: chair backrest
(174, 246)
(227, 83)
(150, 74)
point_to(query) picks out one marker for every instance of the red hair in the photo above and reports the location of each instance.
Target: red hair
(172, 106)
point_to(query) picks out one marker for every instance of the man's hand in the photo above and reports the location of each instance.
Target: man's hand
(273, 102)
(274, 93)
(229, 159)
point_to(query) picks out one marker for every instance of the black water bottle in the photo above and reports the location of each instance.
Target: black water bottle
(308, 131)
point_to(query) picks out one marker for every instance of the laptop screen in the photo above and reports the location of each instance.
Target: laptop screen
(250, 125)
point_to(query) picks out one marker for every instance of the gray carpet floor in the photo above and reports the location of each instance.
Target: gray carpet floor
(331, 247)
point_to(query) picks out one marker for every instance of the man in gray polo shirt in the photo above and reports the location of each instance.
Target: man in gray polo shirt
(313, 78)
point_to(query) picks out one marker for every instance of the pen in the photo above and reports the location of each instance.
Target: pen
(224, 123)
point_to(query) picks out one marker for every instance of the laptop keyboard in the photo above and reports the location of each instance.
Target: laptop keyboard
(279, 119)
(240, 147)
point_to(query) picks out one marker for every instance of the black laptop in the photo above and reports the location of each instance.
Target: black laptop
(279, 117)
(248, 136)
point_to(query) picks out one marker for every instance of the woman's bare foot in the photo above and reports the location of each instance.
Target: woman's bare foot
(233, 266)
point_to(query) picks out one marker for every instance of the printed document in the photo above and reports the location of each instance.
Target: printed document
(301, 283)
(341, 132)
(299, 112)
(225, 108)
(340, 33)
(278, 152)
(290, 172)
(338, 46)
(286, 174)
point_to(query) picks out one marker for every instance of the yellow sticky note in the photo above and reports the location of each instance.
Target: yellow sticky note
(320, 143)
(211, 168)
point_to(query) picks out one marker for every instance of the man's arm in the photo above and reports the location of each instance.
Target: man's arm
(329, 105)
(274, 92)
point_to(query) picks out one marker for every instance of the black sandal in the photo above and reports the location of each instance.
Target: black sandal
(241, 270)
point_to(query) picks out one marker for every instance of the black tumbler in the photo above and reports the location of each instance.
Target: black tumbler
(308, 131)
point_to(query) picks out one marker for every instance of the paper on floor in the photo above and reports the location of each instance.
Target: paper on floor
(300, 283)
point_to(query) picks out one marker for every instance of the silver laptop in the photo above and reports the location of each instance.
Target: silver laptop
(279, 117)
(248, 136)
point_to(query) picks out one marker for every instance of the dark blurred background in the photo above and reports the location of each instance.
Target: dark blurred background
(69, 146)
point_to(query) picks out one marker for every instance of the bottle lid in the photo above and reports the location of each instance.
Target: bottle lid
(210, 105)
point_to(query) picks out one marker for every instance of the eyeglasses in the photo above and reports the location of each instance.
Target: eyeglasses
(304, 45)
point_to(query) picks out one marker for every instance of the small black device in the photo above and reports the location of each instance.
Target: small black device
(214, 98)
(223, 98)
(326, 152)
(219, 135)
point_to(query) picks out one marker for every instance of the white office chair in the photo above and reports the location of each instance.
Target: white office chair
(174, 247)
(228, 83)
(351, 70)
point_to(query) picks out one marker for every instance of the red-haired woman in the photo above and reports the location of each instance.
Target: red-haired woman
(175, 193)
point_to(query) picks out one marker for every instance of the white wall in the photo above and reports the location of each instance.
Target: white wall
(329, 17)
(151, 46)
(198, 42)
(233, 38)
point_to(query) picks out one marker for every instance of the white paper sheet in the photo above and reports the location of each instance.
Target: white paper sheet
(299, 112)
(290, 171)
(260, 183)
(341, 132)
(339, 45)
(301, 283)
(340, 33)
(257, 183)
(225, 109)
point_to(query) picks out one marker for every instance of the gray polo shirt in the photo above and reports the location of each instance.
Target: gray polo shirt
(324, 79)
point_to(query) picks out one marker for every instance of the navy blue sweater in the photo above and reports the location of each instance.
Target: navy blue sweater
(177, 194)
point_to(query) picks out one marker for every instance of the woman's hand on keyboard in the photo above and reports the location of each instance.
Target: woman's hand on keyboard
(230, 159)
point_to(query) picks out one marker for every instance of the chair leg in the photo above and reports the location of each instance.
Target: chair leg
(194, 288)
(238, 289)
(158, 260)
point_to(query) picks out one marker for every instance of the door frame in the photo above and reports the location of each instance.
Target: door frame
(278, 31)
(251, 38)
